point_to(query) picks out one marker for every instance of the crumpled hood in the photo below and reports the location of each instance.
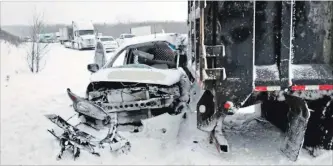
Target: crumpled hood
(88, 37)
(166, 77)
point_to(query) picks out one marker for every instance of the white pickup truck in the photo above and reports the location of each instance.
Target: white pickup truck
(123, 37)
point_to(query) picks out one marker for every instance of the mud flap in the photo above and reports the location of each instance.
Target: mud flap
(210, 120)
(206, 115)
(298, 116)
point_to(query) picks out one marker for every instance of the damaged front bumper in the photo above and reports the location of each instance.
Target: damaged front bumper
(153, 103)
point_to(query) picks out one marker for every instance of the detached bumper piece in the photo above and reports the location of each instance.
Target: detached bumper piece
(74, 139)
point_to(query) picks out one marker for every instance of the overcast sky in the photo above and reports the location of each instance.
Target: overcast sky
(111, 11)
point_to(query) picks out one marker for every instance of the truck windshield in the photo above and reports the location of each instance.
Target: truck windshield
(129, 36)
(86, 32)
(107, 39)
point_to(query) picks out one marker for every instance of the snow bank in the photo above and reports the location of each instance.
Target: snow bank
(12, 60)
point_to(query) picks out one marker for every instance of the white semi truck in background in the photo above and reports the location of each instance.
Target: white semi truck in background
(83, 35)
(80, 35)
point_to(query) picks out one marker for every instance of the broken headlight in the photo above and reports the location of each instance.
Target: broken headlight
(86, 107)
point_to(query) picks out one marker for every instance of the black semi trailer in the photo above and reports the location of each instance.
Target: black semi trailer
(279, 53)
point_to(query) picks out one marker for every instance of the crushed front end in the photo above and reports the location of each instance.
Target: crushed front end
(109, 105)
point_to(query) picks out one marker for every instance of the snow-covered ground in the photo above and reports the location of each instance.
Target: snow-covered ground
(26, 97)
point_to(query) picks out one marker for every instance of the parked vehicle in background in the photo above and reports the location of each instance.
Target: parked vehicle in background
(27, 39)
(109, 43)
(124, 37)
(83, 35)
(141, 31)
(65, 34)
(57, 34)
(46, 38)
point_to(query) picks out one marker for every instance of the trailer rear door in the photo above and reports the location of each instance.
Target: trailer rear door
(293, 45)
(311, 57)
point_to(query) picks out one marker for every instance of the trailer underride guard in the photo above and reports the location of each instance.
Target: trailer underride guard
(238, 53)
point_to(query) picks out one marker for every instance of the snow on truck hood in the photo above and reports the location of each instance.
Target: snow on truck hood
(166, 77)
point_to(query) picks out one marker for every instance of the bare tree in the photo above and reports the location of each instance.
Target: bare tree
(38, 50)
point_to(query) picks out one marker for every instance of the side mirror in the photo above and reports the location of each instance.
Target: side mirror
(93, 67)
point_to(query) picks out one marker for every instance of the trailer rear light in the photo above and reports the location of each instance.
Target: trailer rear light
(325, 87)
(298, 87)
(267, 88)
(311, 87)
(261, 88)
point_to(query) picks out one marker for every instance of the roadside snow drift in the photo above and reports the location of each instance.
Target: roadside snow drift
(27, 97)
